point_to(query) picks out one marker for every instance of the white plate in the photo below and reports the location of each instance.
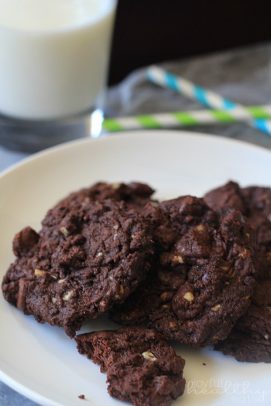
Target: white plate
(40, 361)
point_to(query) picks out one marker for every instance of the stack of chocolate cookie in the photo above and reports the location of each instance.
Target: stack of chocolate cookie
(250, 339)
(191, 270)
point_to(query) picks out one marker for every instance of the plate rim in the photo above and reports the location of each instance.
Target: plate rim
(215, 138)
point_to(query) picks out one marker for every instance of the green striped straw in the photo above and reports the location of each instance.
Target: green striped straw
(185, 119)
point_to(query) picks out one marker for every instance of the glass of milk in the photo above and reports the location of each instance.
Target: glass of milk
(54, 58)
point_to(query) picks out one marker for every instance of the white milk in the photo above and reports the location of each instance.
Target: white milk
(53, 55)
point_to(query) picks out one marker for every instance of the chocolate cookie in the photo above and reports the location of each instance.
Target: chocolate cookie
(255, 203)
(85, 259)
(204, 279)
(141, 367)
(250, 340)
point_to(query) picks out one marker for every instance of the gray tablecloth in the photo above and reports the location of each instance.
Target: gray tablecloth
(241, 75)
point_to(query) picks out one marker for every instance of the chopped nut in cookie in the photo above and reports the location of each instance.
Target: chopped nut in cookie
(189, 296)
(39, 272)
(68, 295)
(216, 308)
(149, 356)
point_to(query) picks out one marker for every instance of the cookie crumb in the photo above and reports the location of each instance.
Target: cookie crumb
(82, 397)
(204, 363)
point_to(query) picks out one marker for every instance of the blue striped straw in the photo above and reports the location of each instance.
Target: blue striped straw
(205, 97)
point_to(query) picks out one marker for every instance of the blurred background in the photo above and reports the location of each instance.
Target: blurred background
(149, 31)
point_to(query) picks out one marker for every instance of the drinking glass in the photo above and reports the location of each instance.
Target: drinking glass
(54, 58)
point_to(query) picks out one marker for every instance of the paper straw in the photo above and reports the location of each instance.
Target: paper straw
(205, 97)
(187, 118)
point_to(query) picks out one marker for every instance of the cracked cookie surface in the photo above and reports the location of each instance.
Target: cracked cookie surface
(134, 194)
(205, 276)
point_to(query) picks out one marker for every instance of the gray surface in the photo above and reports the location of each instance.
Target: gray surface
(8, 158)
(241, 75)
